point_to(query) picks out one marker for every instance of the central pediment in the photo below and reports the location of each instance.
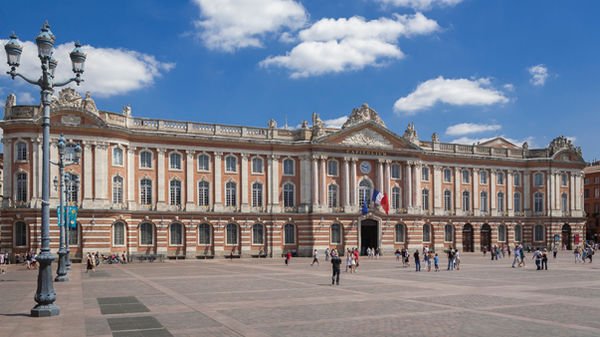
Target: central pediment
(367, 137)
(367, 134)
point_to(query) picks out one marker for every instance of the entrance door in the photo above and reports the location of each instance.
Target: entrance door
(486, 237)
(369, 235)
(468, 238)
(566, 236)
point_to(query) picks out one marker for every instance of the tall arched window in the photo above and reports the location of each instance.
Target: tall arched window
(176, 234)
(20, 234)
(538, 233)
(117, 156)
(449, 233)
(146, 192)
(175, 161)
(538, 202)
(203, 193)
(289, 234)
(175, 192)
(257, 194)
(364, 192)
(118, 234)
(400, 233)
(21, 151)
(425, 196)
(396, 197)
(466, 201)
(288, 167)
(332, 196)
(232, 234)
(517, 202)
(72, 187)
(257, 165)
(288, 195)
(483, 205)
(500, 205)
(231, 164)
(258, 234)
(146, 159)
(146, 234)
(203, 162)
(518, 233)
(426, 232)
(204, 234)
(230, 194)
(564, 202)
(117, 190)
(336, 234)
(502, 233)
(74, 235)
(21, 187)
(447, 200)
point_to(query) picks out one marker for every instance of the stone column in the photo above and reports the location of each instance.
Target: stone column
(417, 193)
(53, 172)
(557, 198)
(161, 190)
(437, 190)
(244, 183)
(323, 189)
(305, 186)
(88, 174)
(386, 180)
(218, 186)
(353, 187)
(131, 203)
(509, 194)
(315, 186)
(101, 175)
(190, 205)
(457, 194)
(526, 193)
(578, 191)
(274, 163)
(475, 196)
(8, 178)
(408, 191)
(549, 193)
(347, 208)
(35, 172)
(379, 183)
(493, 197)
(571, 192)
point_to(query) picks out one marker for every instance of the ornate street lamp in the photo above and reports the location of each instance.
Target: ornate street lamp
(45, 294)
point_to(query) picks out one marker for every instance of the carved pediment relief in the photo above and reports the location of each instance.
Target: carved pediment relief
(69, 98)
(367, 137)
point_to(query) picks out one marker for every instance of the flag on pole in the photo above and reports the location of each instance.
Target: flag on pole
(365, 209)
(381, 199)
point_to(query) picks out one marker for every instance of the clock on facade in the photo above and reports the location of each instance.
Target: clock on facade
(365, 167)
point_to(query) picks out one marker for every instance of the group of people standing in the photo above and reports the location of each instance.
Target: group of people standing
(3, 261)
(584, 253)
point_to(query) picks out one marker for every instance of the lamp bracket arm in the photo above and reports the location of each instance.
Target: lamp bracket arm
(74, 79)
(14, 74)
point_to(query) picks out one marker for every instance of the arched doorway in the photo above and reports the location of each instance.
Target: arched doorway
(566, 236)
(486, 237)
(468, 238)
(369, 235)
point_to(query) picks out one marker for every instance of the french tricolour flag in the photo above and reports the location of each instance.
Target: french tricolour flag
(381, 199)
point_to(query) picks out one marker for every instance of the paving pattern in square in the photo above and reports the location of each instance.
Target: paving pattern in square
(260, 298)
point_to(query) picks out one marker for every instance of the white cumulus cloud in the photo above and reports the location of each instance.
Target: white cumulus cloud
(229, 25)
(108, 71)
(450, 91)
(539, 74)
(470, 128)
(335, 122)
(420, 4)
(338, 45)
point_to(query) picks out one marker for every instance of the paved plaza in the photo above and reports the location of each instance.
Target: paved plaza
(251, 297)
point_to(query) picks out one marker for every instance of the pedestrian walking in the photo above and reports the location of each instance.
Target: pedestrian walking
(327, 253)
(89, 263)
(288, 257)
(456, 259)
(417, 260)
(450, 259)
(537, 255)
(335, 267)
(517, 257)
(436, 262)
(545, 259)
(315, 258)
(554, 251)
(349, 256)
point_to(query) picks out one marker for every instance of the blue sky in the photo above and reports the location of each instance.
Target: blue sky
(468, 70)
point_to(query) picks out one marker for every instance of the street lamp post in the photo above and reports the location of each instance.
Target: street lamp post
(45, 294)
(73, 182)
(63, 251)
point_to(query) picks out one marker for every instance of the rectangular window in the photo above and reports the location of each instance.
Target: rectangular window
(517, 179)
(332, 168)
(586, 193)
(257, 165)
(564, 179)
(447, 175)
(395, 171)
(597, 180)
(288, 167)
(596, 192)
(425, 174)
(500, 178)
(466, 175)
(586, 181)
(483, 177)
(203, 163)
(538, 179)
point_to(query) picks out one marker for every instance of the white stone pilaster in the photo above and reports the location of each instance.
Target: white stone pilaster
(8, 176)
(190, 205)
(101, 175)
(131, 203)
(493, 195)
(88, 175)
(273, 171)
(408, 195)
(353, 187)
(379, 183)
(161, 190)
(527, 192)
(437, 190)
(218, 186)
(509, 193)
(244, 183)
(386, 180)
(417, 193)
(35, 172)
(571, 192)
(305, 181)
(475, 196)
(347, 208)
(315, 186)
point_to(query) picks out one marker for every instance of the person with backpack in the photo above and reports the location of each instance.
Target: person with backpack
(315, 258)
(335, 267)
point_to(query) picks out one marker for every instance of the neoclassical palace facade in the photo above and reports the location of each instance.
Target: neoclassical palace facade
(208, 190)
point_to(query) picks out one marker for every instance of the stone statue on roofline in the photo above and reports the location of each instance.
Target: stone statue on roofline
(435, 138)
(318, 127)
(410, 133)
(362, 114)
(272, 124)
(11, 100)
